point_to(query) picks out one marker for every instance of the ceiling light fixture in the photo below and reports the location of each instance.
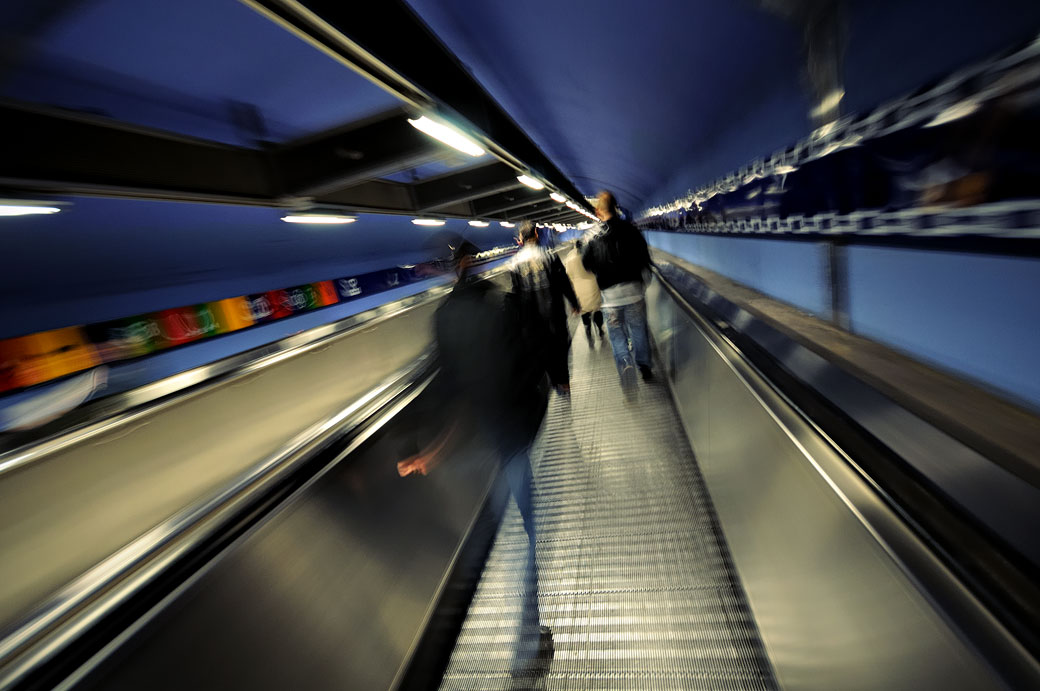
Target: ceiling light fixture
(530, 182)
(27, 210)
(557, 197)
(954, 112)
(479, 224)
(506, 224)
(427, 221)
(447, 135)
(319, 219)
(828, 103)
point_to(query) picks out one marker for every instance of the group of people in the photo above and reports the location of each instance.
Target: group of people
(500, 353)
(608, 274)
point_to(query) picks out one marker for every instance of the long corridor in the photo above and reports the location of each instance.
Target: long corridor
(635, 580)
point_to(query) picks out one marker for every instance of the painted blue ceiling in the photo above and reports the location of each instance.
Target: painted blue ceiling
(179, 66)
(620, 94)
(654, 97)
(647, 98)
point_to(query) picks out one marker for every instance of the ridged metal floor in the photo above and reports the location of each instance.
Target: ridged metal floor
(634, 580)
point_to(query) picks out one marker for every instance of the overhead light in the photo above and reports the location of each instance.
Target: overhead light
(506, 224)
(479, 224)
(447, 135)
(530, 182)
(557, 197)
(955, 112)
(27, 210)
(318, 219)
(828, 103)
(427, 221)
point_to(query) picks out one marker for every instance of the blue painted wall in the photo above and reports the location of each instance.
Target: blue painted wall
(976, 315)
(789, 271)
(973, 315)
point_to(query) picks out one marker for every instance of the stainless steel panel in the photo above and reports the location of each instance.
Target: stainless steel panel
(332, 592)
(66, 511)
(814, 546)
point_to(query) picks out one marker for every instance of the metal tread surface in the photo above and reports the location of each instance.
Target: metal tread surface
(633, 577)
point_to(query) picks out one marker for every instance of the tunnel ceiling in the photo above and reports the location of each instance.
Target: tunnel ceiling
(622, 94)
(654, 97)
(305, 102)
(256, 103)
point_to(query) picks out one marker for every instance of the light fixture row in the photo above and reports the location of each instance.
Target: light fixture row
(337, 220)
(451, 136)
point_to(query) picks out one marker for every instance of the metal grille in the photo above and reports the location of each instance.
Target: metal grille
(975, 84)
(634, 580)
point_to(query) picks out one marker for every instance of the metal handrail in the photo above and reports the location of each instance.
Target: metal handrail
(121, 409)
(71, 612)
(908, 543)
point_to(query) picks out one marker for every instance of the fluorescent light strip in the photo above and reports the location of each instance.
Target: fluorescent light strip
(447, 135)
(479, 224)
(27, 210)
(530, 182)
(557, 197)
(954, 112)
(318, 219)
(427, 221)
(506, 224)
(828, 103)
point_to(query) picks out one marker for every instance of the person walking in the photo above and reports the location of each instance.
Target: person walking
(587, 290)
(620, 260)
(541, 287)
(488, 385)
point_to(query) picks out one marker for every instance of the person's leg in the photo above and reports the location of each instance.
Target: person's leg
(586, 319)
(635, 320)
(518, 475)
(517, 470)
(618, 337)
(598, 318)
(557, 352)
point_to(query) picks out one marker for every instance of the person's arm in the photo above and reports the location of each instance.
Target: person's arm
(564, 281)
(514, 277)
(431, 456)
(589, 256)
(643, 258)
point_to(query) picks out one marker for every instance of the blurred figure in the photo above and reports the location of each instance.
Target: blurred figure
(587, 290)
(491, 387)
(620, 260)
(541, 285)
(36, 407)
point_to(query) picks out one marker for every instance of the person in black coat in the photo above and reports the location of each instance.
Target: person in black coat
(620, 260)
(489, 384)
(542, 288)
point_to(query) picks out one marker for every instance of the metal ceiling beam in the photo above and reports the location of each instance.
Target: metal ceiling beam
(67, 152)
(466, 185)
(62, 152)
(520, 214)
(508, 201)
(376, 196)
(550, 214)
(390, 45)
(348, 155)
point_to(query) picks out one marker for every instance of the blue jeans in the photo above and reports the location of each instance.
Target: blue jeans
(628, 335)
(517, 471)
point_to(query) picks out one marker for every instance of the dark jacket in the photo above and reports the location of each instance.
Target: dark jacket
(617, 255)
(484, 369)
(541, 286)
